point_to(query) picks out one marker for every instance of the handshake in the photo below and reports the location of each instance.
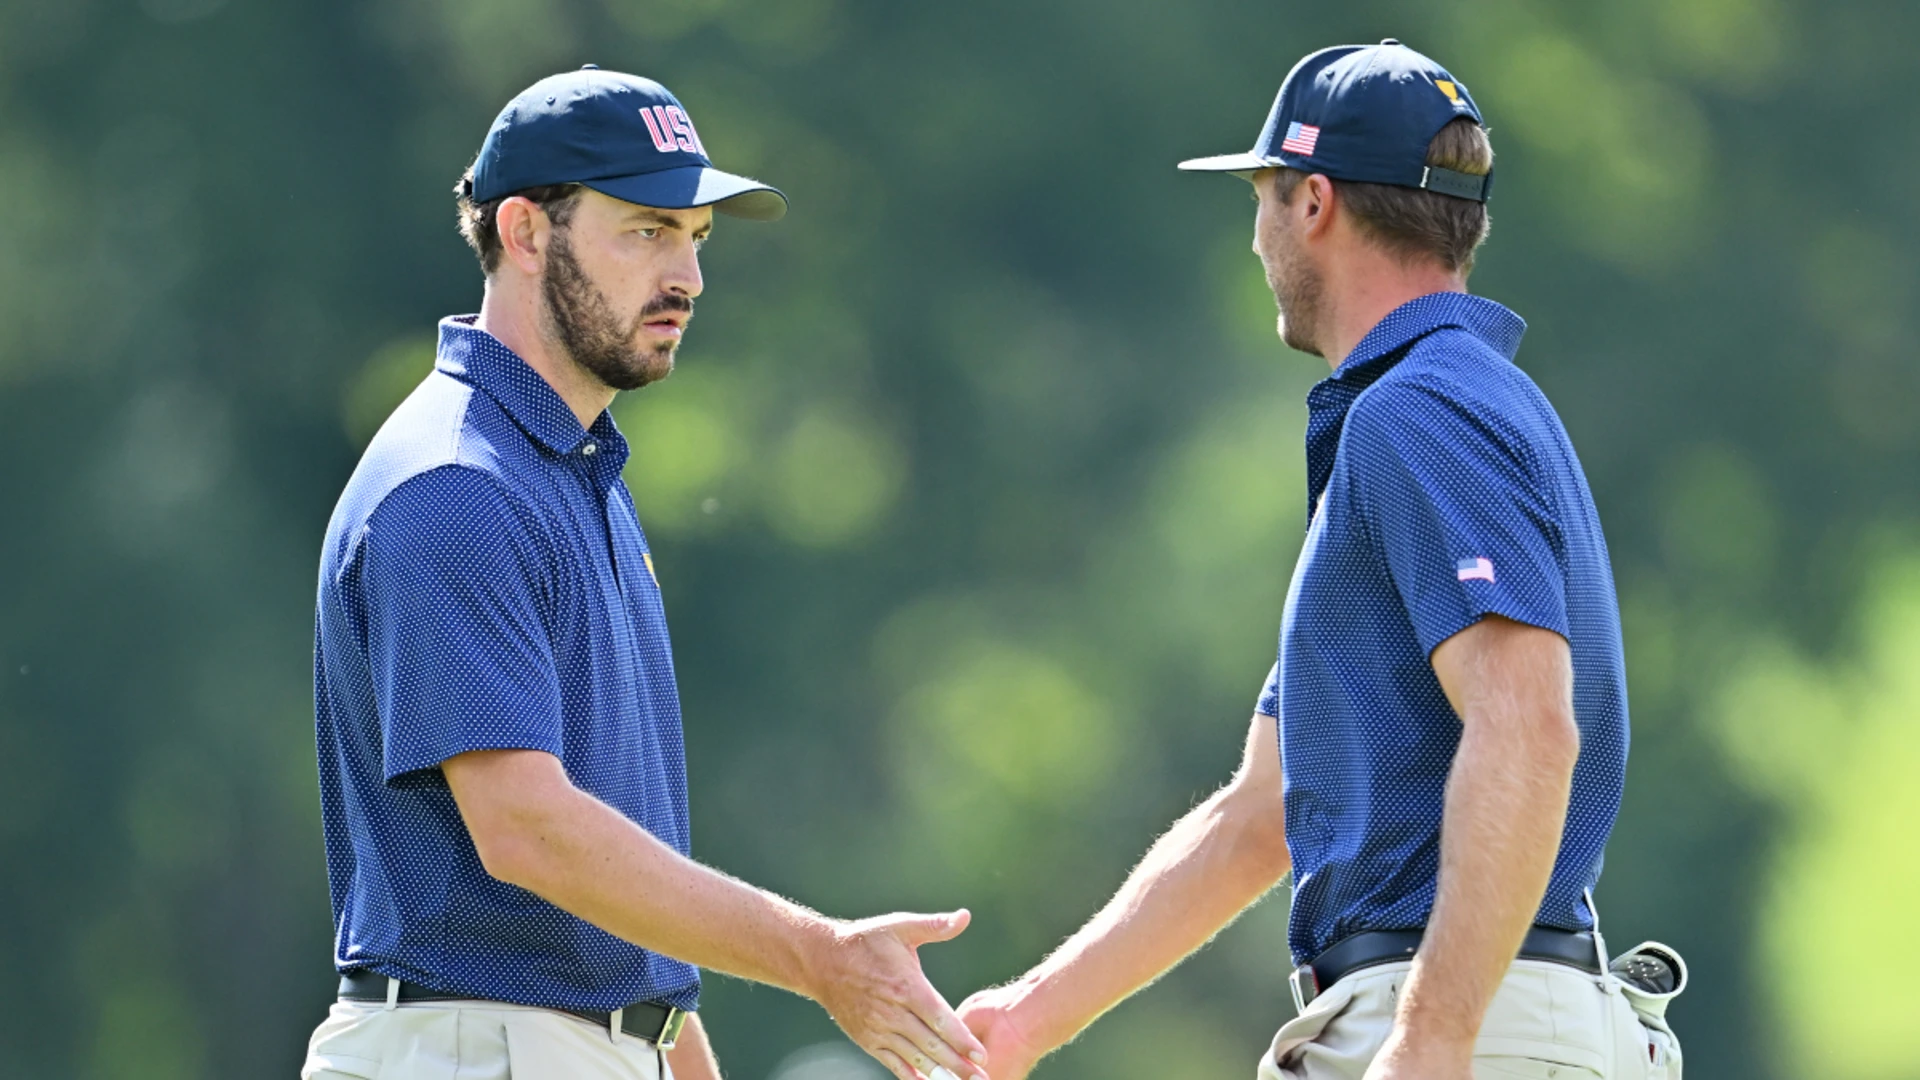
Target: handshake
(871, 983)
(1214, 862)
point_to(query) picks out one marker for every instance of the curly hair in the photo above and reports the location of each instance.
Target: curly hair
(479, 220)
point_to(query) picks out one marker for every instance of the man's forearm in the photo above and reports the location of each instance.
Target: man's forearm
(585, 858)
(533, 828)
(1213, 863)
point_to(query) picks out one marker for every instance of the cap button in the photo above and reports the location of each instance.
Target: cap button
(589, 67)
(1390, 41)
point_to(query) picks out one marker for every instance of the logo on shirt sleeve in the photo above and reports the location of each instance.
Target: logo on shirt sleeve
(1474, 570)
(647, 556)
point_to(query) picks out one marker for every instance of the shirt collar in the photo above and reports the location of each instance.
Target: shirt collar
(1490, 322)
(1328, 401)
(474, 356)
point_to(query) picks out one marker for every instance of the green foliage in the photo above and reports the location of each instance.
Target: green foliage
(976, 493)
(1838, 744)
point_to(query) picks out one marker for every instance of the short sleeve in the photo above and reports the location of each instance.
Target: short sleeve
(1462, 521)
(458, 649)
(1268, 703)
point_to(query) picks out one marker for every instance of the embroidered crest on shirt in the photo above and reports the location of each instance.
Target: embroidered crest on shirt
(1474, 570)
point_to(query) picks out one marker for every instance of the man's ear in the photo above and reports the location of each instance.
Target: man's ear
(524, 230)
(1315, 200)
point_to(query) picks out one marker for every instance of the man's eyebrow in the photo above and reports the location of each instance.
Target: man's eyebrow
(655, 217)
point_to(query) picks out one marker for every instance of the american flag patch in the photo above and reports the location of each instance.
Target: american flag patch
(1474, 570)
(1300, 138)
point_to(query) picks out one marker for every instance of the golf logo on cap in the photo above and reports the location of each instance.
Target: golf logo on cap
(671, 129)
(1448, 89)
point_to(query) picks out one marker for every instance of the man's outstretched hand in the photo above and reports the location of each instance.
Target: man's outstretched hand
(870, 982)
(989, 1015)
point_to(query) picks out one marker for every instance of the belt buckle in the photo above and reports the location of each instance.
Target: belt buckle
(1306, 986)
(670, 1028)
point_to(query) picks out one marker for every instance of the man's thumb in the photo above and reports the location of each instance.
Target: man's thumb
(922, 929)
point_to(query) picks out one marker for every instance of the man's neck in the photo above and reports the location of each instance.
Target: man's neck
(1368, 288)
(515, 321)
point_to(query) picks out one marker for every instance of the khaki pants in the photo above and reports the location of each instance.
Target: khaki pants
(472, 1040)
(1547, 1021)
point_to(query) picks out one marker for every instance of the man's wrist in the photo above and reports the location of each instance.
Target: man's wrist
(1034, 1009)
(814, 945)
(1432, 1024)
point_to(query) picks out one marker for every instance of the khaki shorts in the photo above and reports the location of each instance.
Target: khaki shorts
(1547, 1022)
(472, 1040)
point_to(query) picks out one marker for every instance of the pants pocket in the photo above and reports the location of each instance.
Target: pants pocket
(1662, 1047)
(342, 1046)
(369, 1042)
(1526, 1068)
(339, 1068)
(1659, 1044)
(1290, 1042)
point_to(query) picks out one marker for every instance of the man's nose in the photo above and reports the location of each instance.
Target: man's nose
(683, 276)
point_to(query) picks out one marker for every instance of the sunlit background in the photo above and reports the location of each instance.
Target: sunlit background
(976, 492)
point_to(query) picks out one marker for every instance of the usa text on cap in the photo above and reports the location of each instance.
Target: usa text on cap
(620, 135)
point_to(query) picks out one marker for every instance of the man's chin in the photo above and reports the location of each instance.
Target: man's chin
(1298, 342)
(641, 371)
(656, 366)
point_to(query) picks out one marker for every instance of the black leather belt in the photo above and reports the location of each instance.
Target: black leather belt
(658, 1024)
(1371, 948)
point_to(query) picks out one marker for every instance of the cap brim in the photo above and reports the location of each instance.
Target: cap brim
(1241, 165)
(697, 185)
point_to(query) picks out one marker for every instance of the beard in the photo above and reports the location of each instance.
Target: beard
(582, 319)
(1299, 291)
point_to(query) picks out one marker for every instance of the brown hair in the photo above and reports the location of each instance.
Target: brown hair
(479, 220)
(1414, 223)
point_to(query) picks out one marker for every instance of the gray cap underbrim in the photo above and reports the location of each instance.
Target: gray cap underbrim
(697, 185)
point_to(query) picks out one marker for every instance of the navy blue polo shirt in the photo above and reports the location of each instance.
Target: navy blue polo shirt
(485, 585)
(1442, 488)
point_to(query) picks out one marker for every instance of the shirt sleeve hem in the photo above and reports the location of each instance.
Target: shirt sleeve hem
(1268, 703)
(1432, 638)
(423, 760)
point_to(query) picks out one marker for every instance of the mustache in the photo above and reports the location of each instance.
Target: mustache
(666, 302)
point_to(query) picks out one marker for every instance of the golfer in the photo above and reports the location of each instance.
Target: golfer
(502, 779)
(1439, 753)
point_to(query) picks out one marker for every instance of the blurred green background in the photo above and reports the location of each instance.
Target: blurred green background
(976, 493)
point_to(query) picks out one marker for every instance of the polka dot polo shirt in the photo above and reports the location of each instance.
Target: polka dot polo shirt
(485, 585)
(1441, 488)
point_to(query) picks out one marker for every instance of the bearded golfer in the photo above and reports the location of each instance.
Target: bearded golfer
(1439, 753)
(502, 781)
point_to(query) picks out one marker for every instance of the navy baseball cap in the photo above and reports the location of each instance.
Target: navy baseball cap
(1364, 113)
(620, 135)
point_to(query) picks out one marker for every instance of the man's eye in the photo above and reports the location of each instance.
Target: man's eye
(699, 242)
(649, 233)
